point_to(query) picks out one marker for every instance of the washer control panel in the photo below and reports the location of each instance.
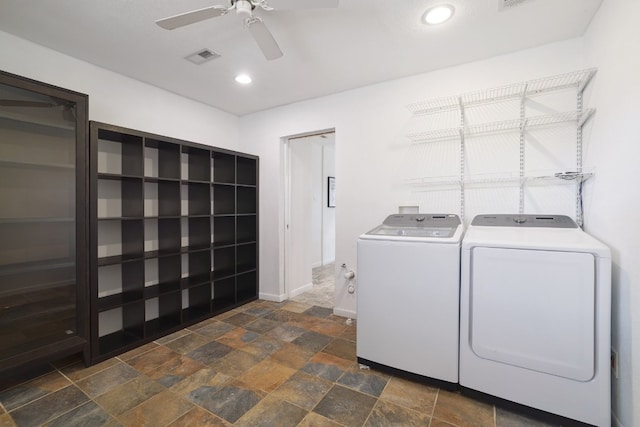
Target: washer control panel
(422, 220)
(504, 220)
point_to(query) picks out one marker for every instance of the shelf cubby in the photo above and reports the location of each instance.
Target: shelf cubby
(224, 168)
(174, 223)
(120, 327)
(199, 305)
(224, 262)
(168, 198)
(199, 268)
(120, 197)
(120, 240)
(119, 153)
(247, 201)
(224, 199)
(246, 257)
(120, 284)
(246, 171)
(198, 163)
(247, 286)
(224, 230)
(199, 196)
(224, 294)
(168, 235)
(164, 313)
(247, 228)
(165, 276)
(169, 273)
(199, 233)
(162, 159)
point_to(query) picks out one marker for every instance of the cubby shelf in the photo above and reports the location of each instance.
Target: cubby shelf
(174, 235)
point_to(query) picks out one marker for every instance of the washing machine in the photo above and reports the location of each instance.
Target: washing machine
(535, 310)
(408, 296)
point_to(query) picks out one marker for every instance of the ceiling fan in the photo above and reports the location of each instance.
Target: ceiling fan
(244, 9)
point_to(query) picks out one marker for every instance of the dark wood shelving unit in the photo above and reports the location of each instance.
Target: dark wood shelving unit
(44, 306)
(174, 235)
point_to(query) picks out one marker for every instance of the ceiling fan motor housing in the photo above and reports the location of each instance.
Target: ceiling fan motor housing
(243, 8)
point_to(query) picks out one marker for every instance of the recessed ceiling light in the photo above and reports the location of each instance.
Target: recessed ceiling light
(438, 14)
(244, 79)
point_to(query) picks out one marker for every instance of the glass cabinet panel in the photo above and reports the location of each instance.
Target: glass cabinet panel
(41, 220)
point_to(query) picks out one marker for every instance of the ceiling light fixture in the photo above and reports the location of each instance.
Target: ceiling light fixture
(243, 79)
(438, 14)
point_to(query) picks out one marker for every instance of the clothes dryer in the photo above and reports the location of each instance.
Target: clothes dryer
(408, 296)
(535, 315)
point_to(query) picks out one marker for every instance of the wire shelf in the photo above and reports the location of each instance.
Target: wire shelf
(441, 181)
(435, 105)
(504, 126)
(435, 135)
(576, 79)
(546, 177)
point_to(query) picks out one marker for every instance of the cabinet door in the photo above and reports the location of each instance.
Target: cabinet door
(42, 221)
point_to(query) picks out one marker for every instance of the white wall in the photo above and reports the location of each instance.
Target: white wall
(328, 214)
(612, 44)
(323, 217)
(119, 100)
(317, 205)
(300, 221)
(370, 126)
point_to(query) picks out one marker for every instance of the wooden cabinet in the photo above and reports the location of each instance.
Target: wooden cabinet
(174, 235)
(43, 220)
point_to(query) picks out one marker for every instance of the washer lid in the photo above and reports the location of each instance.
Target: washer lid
(418, 225)
(563, 237)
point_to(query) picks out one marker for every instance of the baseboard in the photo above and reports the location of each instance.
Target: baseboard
(272, 297)
(302, 289)
(344, 313)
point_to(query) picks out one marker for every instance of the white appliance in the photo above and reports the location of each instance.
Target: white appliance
(408, 296)
(535, 310)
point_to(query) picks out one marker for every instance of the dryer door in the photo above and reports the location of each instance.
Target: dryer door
(534, 309)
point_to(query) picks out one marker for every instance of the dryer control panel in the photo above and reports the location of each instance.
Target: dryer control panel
(504, 220)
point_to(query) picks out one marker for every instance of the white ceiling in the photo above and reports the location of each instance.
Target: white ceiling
(325, 50)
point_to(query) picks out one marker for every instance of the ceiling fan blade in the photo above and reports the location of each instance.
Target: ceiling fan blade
(18, 103)
(302, 4)
(192, 17)
(264, 38)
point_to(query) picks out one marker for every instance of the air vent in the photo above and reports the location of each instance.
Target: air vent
(506, 4)
(202, 56)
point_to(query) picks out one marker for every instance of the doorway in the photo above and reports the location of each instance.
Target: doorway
(310, 218)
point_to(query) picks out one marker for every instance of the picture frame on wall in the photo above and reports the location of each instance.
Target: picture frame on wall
(331, 192)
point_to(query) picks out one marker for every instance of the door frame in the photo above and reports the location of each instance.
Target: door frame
(286, 204)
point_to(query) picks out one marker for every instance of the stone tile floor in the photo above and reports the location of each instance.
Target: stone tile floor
(262, 364)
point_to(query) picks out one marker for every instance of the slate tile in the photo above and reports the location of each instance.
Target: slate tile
(49, 407)
(345, 406)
